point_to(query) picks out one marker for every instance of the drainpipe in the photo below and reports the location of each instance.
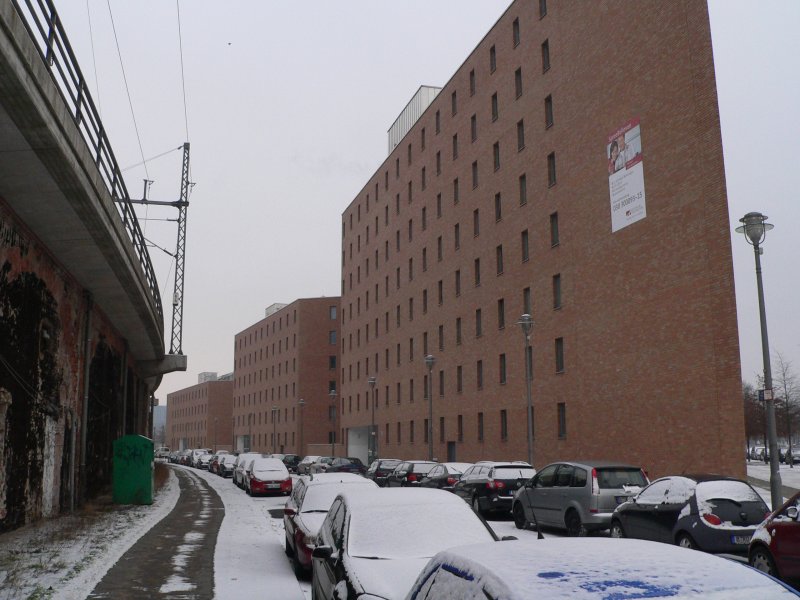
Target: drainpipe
(86, 369)
(125, 389)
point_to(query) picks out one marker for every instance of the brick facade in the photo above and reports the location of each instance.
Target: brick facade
(200, 416)
(646, 316)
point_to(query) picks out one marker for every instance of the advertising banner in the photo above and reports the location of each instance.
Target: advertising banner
(626, 175)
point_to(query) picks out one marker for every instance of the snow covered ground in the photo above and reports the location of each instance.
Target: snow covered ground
(65, 558)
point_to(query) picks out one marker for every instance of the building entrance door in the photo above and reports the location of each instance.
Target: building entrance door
(451, 452)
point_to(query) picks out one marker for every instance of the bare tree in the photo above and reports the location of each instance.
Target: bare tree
(754, 418)
(787, 389)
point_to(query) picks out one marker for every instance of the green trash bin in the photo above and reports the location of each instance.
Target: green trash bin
(133, 470)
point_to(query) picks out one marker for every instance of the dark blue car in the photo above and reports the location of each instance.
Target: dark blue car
(347, 465)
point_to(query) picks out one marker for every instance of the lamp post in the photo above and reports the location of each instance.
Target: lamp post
(754, 227)
(302, 403)
(373, 440)
(526, 323)
(274, 428)
(332, 394)
(430, 360)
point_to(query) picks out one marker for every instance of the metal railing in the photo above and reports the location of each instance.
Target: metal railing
(44, 26)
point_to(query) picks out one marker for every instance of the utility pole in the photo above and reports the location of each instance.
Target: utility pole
(180, 256)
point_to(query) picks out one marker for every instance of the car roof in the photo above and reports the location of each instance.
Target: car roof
(270, 462)
(596, 464)
(365, 499)
(503, 463)
(326, 478)
(572, 568)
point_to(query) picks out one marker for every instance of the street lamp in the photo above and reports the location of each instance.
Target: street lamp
(754, 227)
(302, 403)
(526, 323)
(332, 394)
(373, 440)
(274, 428)
(430, 360)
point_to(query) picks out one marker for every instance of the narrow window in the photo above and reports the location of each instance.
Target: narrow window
(545, 56)
(498, 207)
(454, 102)
(458, 331)
(422, 139)
(424, 301)
(457, 235)
(460, 427)
(554, 229)
(455, 190)
(523, 190)
(439, 248)
(501, 313)
(409, 154)
(477, 272)
(438, 162)
(515, 32)
(397, 168)
(495, 155)
(548, 111)
(423, 178)
(410, 229)
(424, 218)
(502, 369)
(473, 127)
(504, 425)
(551, 169)
(495, 109)
(559, 347)
(476, 222)
(525, 246)
(424, 259)
(441, 384)
(499, 255)
(526, 301)
(492, 59)
(520, 136)
(441, 337)
(478, 323)
(439, 206)
(557, 291)
(440, 286)
(518, 82)
(458, 282)
(438, 122)
(441, 429)
(542, 8)
(455, 146)
(479, 374)
(480, 426)
(562, 420)
(411, 432)
(472, 82)
(475, 168)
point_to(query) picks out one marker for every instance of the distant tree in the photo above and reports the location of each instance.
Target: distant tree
(754, 419)
(786, 388)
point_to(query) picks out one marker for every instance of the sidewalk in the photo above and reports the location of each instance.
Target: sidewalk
(758, 476)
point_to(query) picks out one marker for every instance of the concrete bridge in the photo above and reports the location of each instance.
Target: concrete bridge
(81, 320)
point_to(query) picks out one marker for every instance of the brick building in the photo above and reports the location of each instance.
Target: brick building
(200, 416)
(290, 355)
(570, 169)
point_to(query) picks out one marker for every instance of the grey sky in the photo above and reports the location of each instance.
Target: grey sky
(288, 106)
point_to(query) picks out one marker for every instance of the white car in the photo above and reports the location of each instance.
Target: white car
(304, 466)
(239, 467)
(373, 543)
(589, 568)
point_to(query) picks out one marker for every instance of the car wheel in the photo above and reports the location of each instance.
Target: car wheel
(288, 549)
(684, 540)
(616, 530)
(519, 516)
(762, 560)
(574, 525)
(476, 506)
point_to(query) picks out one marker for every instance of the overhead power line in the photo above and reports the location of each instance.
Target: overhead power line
(183, 78)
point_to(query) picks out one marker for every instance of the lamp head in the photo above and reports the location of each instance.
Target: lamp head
(754, 227)
(430, 360)
(526, 322)
(372, 381)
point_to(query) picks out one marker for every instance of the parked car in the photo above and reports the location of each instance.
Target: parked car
(591, 568)
(304, 466)
(489, 486)
(162, 453)
(306, 508)
(576, 496)
(239, 467)
(373, 543)
(380, 469)
(321, 464)
(194, 457)
(704, 512)
(267, 476)
(226, 464)
(184, 457)
(444, 475)
(291, 461)
(204, 461)
(408, 473)
(775, 547)
(347, 465)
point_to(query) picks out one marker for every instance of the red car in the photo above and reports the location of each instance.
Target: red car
(775, 547)
(268, 476)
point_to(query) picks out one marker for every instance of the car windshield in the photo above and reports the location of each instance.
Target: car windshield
(412, 531)
(319, 498)
(609, 478)
(513, 473)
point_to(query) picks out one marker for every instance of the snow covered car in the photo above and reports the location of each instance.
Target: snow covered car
(204, 461)
(373, 543)
(304, 466)
(240, 464)
(705, 512)
(588, 568)
(775, 547)
(306, 508)
(267, 476)
(226, 463)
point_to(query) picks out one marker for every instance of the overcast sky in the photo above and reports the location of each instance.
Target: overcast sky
(288, 104)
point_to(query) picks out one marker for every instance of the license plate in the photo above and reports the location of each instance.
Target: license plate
(741, 539)
(273, 486)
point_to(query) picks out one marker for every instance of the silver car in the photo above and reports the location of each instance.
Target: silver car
(576, 496)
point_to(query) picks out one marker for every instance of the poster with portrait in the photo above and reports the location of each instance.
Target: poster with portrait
(626, 175)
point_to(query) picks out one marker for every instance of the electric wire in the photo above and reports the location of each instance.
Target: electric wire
(154, 245)
(183, 78)
(94, 61)
(152, 158)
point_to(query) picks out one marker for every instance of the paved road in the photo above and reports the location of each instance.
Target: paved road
(176, 558)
